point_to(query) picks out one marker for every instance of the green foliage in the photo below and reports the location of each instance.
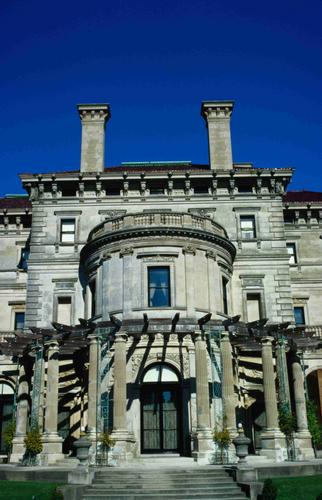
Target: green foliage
(287, 421)
(28, 490)
(57, 494)
(106, 440)
(33, 442)
(319, 497)
(314, 425)
(269, 490)
(222, 438)
(9, 434)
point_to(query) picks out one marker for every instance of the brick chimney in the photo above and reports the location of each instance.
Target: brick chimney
(93, 118)
(217, 116)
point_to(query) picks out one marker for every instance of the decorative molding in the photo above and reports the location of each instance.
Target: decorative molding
(126, 251)
(189, 249)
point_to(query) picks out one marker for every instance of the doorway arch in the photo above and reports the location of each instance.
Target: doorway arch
(6, 410)
(161, 409)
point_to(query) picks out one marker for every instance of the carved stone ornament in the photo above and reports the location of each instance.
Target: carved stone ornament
(211, 255)
(105, 256)
(126, 251)
(204, 212)
(189, 249)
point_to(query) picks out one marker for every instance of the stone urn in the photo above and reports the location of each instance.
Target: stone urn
(241, 443)
(82, 446)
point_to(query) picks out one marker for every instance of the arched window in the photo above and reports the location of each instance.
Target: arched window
(6, 410)
(160, 373)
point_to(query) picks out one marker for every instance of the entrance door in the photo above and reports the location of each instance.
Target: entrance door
(160, 422)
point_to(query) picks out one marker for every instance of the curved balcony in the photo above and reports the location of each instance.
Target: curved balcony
(156, 223)
(157, 219)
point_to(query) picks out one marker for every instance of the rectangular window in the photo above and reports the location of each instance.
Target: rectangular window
(247, 227)
(92, 286)
(225, 295)
(253, 307)
(19, 320)
(64, 310)
(291, 250)
(67, 230)
(159, 286)
(299, 316)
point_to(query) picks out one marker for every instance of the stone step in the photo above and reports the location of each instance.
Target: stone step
(158, 496)
(168, 482)
(161, 487)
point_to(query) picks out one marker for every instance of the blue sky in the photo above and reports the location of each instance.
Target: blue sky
(154, 62)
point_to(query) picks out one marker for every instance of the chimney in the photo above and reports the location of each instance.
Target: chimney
(93, 118)
(217, 115)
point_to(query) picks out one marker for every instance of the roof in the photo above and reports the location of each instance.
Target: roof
(302, 196)
(14, 203)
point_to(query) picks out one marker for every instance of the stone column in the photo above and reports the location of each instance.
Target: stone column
(272, 440)
(52, 442)
(228, 392)
(123, 438)
(189, 257)
(18, 446)
(282, 373)
(303, 441)
(203, 437)
(94, 354)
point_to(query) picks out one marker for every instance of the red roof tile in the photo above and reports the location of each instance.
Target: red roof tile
(21, 203)
(302, 196)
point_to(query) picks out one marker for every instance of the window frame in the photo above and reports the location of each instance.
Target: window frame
(224, 289)
(302, 307)
(292, 244)
(16, 312)
(62, 232)
(252, 218)
(168, 287)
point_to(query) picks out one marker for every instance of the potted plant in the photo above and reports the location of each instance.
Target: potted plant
(33, 446)
(8, 436)
(222, 439)
(287, 424)
(106, 444)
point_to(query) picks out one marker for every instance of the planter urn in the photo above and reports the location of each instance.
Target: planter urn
(82, 446)
(241, 443)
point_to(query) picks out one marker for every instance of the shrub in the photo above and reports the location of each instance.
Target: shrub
(9, 434)
(314, 425)
(269, 490)
(33, 442)
(319, 497)
(106, 440)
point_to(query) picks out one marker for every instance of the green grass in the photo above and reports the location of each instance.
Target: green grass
(298, 488)
(19, 490)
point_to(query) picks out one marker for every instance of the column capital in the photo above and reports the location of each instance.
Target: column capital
(225, 336)
(121, 336)
(52, 344)
(267, 341)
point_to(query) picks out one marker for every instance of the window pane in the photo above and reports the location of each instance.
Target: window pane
(253, 307)
(247, 227)
(299, 315)
(67, 225)
(292, 253)
(67, 230)
(159, 286)
(19, 320)
(68, 237)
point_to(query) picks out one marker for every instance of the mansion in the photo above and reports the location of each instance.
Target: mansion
(159, 301)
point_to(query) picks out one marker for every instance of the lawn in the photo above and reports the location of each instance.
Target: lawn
(298, 488)
(18, 490)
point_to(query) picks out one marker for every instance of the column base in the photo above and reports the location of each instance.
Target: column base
(203, 446)
(273, 445)
(52, 449)
(303, 446)
(125, 448)
(18, 449)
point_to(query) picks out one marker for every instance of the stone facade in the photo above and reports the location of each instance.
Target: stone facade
(229, 240)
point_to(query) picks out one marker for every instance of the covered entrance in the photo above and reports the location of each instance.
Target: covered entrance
(161, 411)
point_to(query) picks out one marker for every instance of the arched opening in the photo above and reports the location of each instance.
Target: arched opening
(161, 409)
(6, 411)
(314, 390)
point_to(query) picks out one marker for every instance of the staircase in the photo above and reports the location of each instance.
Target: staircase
(206, 483)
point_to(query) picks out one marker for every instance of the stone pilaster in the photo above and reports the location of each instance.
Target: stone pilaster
(272, 440)
(203, 437)
(18, 445)
(282, 373)
(124, 440)
(303, 441)
(228, 393)
(52, 442)
(94, 354)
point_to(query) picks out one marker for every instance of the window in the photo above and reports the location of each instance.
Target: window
(67, 230)
(64, 310)
(24, 256)
(253, 307)
(159, 286)
(92, 286)
(19, 320)
(225, 295)
(247, 227)
(291, 250)
(299, 315)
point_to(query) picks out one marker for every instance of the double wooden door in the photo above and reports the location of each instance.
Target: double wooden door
(160, 418)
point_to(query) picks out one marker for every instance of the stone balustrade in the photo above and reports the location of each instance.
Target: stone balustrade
(157, 219)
